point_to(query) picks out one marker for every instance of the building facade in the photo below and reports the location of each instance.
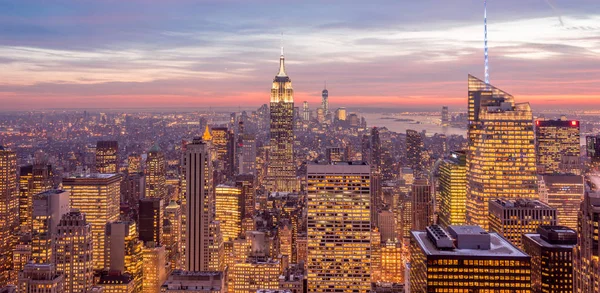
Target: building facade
(453, 190)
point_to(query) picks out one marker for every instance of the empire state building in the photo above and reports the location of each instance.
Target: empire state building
(281, 171)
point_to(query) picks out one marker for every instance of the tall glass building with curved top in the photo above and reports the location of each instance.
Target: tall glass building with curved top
(501, 159)
(281, 171)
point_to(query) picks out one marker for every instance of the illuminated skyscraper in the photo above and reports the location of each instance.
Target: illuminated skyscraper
(593, 149)
(156, 174)
(134, 163)
(335, 154)
(224, 144)
(325, 101)
(564, 193)
(453, 190)
(247, 155)
(281, 169)
(245, 182)
(422, 205)
(339, 227)
(97, 196)
(48, 209)
(198, 215)
(124, 251)
(154, 269)
(216, 248)
(305, 111)
(115, 282)
(33, 179)
(107, 159)
(414, 151)
(513, 218)
(466, 259)
(445, 115)
(40, 278)
(501, 150)
(586, 255)
(229, 208)
(551, 251)
(9, 212)
(392, 262)
(557, 145)
(150, 219)
(254, 274)
(172, 234)
(340, 114)
(73, 252)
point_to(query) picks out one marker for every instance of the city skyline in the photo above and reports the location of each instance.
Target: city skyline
(154, 54)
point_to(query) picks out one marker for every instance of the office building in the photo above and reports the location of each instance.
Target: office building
(281, 167)
(445, 116)
(453, 190)
(325, 101)
(245, 182)
(124, 251)
(40, 278)
(216, 248)
(586, 267)
(339, 199)
(229, 208)
(501, 159)
(247, 154)
(198, 172)
(466, 259)
(194, 282)
(565, 194)
(592, 143)
(154, 269)
(392, 262)
(551, 251)
(224, 144)
(48, 208)
(150, 220)
(414, 151)
(116, 282)
(134, 164)
(511, 218)
(305, 111)
(335, 154)
(33, 179)
(9, 212)
(172, 235)
(340, 114)
(557, 146)
(156, 174)
(107, 157)
(254, 274)
(422, 205)
(97, 196)
(387, 225)
(73, 252)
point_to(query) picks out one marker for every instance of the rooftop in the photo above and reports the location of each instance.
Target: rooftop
(519, 203)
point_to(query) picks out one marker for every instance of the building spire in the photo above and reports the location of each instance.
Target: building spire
(206, 136)
(487, 68)
(281, 60)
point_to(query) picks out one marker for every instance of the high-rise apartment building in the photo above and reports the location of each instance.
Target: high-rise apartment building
(150, 220)
(586, 255)
(229, 207)
(339, 227)
(557, 146)
(414, 151)
(107, 157)
(33, 179)
(422, 205)
(97, 196)
(124, 251)
(48, 208)
(9, 212)
(466, 259)
(198, 172)
(40, 278)
(564, 193)
(73, 252)
(453, 190)
(513, 218)
(281, 167)
(551, 251)
(501, 159)
(156, 174)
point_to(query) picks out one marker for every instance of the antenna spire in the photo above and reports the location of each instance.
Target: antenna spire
(281, 43)
(485, 41)
(325, 84)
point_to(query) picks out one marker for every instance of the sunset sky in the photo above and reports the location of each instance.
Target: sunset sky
(401, 53)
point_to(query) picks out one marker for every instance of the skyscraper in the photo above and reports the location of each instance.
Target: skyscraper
(281, 169)
(325, 101)
(97, 196)
(247, 155)
(156, 174)
(172, 234)
(124, 251)
(422, 205)
(107, 159)
(593, 149)
(445, 117)
(245, 182)
(229, 207)
(73, 252)
(9, 212)
(557, 145)
(150, 219)
(154, 269)
(414, 151)
(501, 150)
(40, 278)
(198, 215)
(466, 259)
(551, 251)
(453, 190)
(586, 265)
(339, 227)
(33, 179)
(48, 209)
(305, 111)
(335, 154)
(564, 193)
